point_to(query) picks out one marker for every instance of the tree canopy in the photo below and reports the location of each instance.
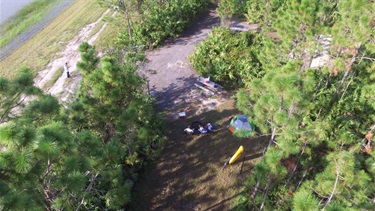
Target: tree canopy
(320, 119)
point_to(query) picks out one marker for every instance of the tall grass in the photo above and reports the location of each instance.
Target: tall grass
(24, 19)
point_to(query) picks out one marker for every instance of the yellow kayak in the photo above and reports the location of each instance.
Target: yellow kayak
(236, 155)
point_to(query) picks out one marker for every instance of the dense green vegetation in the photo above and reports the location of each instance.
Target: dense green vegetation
(320, 121)
(231, 62)
(150, 23)
(86, 155)
(89, 154)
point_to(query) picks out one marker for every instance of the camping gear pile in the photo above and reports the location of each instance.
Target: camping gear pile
(198, 126)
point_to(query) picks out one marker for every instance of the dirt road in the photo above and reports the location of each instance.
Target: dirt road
(171, 79)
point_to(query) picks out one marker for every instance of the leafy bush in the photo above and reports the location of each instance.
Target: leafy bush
(228, 58)
(161, 22)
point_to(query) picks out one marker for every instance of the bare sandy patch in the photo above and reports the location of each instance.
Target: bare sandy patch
(65, 87)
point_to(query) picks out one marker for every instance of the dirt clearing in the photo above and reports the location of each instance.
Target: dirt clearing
(189, 174)
(171, 79)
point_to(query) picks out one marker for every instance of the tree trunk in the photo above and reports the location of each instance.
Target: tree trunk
(269, 145)
(255, 190)
(301, 180)
(48, 195)
(265, 192)
(88, 190)
(128, 20)
(295, 168)
(272, 138)
(334, 187)
(347, 86)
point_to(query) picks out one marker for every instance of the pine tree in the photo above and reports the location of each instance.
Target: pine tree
(312, 116)
(14, 92)
(36, 147)
(113, 101)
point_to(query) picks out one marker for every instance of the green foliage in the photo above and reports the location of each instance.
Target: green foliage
(318, 117)
(227, 57)
(13, 93)
(263, 13)
(116, 108)
(228, 8)
(304, 200)
(159, 22)
(89, 154)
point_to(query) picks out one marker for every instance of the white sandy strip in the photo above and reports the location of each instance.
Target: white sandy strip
(64, 87)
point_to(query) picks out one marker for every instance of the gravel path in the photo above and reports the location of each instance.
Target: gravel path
(171, 79)
(25, 36)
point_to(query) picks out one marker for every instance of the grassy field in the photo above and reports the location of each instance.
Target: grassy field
(189, 174)
(114, 25)
(41, 48)
(25, 18)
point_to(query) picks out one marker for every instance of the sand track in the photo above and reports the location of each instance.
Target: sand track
(65, 87)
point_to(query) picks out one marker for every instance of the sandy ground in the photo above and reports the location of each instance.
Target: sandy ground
(65, 87)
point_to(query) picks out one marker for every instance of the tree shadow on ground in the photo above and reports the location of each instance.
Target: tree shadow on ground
(189, 173)
(184, 96)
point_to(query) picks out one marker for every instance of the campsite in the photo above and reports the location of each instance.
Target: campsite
(106, 105)
(190, 174)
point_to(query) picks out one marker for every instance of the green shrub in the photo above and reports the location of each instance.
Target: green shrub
(228, 58)
(161, 22)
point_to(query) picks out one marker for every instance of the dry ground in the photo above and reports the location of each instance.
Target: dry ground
(189, 174)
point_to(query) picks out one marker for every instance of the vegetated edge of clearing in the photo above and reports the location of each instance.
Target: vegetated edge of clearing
(41, 48)
(189, 173)
(24, 19)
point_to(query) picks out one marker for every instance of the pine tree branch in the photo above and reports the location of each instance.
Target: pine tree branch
(351, 79)
(265, 192)
(255, 190)
(320, 195)
(295, 167)
(328, 79)
(371, 59)
(347, 86)
(335, 185)
(87, 190)
(317, 89)
(10, 107)
(348, 68)
(302, 178)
